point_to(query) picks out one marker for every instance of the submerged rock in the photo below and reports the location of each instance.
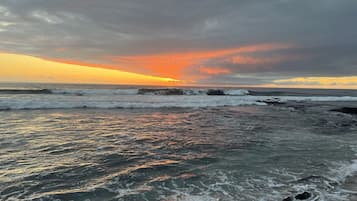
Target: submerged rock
(215, 92)
(5, 109)
(272, 101)
(312, 177)
(25, 91)
(303, 196)
(289, 199)
(346, 110)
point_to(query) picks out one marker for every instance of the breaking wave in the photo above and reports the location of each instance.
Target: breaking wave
(142, 91)
(78, 98)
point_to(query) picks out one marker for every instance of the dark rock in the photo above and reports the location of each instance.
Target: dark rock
(289, 199)
(5, 109)
(215, 92)
(272, 101)
(312, 177)
(161, 91)
(25, 91)
(346, 110)
(303, 196)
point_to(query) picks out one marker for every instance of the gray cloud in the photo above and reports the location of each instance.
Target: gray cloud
(323, 31)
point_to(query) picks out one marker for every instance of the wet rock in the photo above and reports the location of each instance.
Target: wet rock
(5, 109)
(272, 101)
(312, 177)
(346, 110)
(303, 196)
(289, 199)
(215, 92)
(161, 91)
(25, 91)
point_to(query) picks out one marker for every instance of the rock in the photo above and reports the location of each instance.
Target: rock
(5, 109)
(161, 91)
(215, 92)
(312, 177)
(25, 91)
(346, 110)
(272, 101)
(303, 196)
(289, 199)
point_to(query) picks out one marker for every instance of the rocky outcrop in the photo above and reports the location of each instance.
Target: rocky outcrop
(303, 196)
(289, 199)
(346, 110)
(25, 91)
(215, 92)
(272, 101)
(172, 91)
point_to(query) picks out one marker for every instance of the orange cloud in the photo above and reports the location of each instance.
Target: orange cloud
(173, 64)
(166, 68)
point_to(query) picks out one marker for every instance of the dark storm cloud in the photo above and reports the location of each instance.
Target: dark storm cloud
(323, 31)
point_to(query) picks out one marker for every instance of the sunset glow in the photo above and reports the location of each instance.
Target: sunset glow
(173, 100)
(173, 40)
(175, 64)
(20, 68)
(348, 82)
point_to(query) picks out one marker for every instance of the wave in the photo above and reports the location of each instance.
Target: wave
(141, 91)
(153, 101)
(52, 105)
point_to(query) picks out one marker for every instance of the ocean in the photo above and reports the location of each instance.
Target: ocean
(129, 143)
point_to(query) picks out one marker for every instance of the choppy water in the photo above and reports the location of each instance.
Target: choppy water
(177, 153)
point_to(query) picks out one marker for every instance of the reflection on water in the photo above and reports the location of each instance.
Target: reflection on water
(239, 153)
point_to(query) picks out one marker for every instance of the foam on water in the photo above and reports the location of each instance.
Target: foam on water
(236, 92)
(243, 153)
(123, 101)
(72, 98)
(263, 188)
(106, 100)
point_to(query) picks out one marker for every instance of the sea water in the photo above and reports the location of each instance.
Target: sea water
(87, 142)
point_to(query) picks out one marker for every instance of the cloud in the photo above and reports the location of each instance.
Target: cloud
(183, 64)
(180, 38)
(46, 17)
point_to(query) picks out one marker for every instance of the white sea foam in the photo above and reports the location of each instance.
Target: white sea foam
(236, 92)
(344, 170)
(124, 101)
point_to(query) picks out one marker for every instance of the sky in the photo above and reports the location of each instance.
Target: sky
(272, 43)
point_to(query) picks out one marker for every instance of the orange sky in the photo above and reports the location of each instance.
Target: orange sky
(174, 64)
(21, 68)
